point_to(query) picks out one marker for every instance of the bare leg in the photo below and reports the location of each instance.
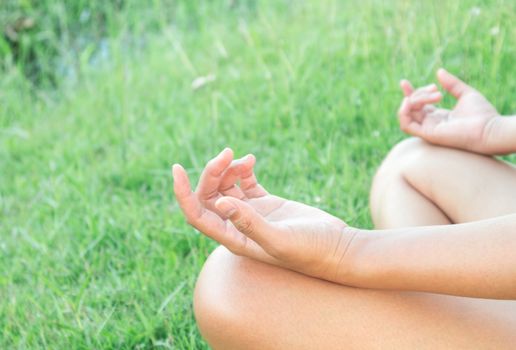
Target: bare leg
(420, 184)
(393, 200)
(244, 304)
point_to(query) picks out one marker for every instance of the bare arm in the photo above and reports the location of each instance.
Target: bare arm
(502, 134)
(475, 259)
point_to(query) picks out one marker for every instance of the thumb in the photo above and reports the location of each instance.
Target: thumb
(452, 84)
(248, 221)
(406, 87)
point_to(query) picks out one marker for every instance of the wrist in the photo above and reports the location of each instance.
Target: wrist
(500, 135)
(345, 264)
(374, 259)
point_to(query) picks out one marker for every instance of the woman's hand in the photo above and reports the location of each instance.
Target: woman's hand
(471, 125)
(253, 223)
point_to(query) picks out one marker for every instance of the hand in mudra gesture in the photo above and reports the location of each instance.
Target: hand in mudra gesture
(470, 125)
(250, 222)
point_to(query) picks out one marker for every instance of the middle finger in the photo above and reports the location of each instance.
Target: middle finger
(234, 173)
(208, 187)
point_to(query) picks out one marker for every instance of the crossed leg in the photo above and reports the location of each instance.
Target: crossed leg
(419, 184)
(244, 304)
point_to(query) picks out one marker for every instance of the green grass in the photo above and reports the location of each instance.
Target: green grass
(93, 250)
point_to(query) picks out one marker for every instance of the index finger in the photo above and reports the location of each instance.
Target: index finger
(232, 175)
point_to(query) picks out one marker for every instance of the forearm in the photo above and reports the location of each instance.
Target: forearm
(501, 136)
(474, 259)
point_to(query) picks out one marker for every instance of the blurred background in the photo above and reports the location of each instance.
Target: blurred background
(99, 98)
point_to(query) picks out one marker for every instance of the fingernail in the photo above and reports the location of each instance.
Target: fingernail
(175, 168)
(226, 208)
(224, 151)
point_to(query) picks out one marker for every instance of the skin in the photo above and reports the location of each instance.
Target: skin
(473, 124)
(258, 225)
(282, 240)
(292, 235)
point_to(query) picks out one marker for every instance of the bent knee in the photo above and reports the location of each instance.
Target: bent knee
(405, 160)
(223, 299)
(403, 154)
(403, 157)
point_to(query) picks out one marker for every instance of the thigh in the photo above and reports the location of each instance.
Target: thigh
(244, 304)
(464, 185)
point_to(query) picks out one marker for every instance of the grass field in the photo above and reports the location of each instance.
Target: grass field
(93, 250)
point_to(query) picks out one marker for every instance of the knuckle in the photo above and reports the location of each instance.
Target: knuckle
(230, 172)
(245, 225)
